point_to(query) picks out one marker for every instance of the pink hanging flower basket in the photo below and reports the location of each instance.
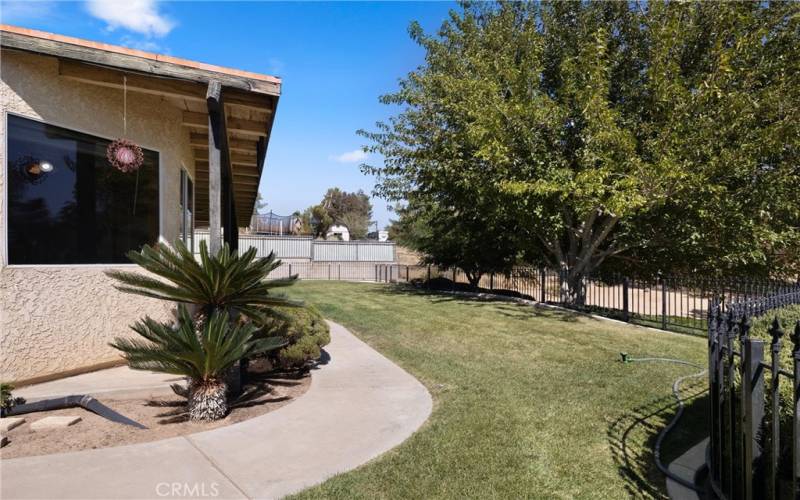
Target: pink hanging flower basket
(124, 155)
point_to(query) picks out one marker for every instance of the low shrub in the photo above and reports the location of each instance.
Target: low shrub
(306, 333)
(788, 318)
(7, 400)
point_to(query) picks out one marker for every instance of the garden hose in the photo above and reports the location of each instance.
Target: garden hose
(625, 358)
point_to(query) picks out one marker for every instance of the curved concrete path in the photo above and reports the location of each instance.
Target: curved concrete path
(359, 405)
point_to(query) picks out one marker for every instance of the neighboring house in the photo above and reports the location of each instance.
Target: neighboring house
(67, 215)
(338, 232)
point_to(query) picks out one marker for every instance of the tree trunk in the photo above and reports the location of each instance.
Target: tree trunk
(573, 288)
(473, 278)
(208, 400)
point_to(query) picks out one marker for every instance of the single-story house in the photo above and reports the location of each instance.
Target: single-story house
(74, 199)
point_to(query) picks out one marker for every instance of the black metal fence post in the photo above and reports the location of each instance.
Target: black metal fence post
(542, 280)
(776, 332)
(796, 411)
(429, 276)
(753, 394)
(663, 303)
(744, 334)
(714, 386)
(732, 330)
(626, 314)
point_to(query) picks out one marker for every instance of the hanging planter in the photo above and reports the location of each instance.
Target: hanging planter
(124, 155)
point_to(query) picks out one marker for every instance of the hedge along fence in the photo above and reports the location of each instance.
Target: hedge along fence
(755, 404)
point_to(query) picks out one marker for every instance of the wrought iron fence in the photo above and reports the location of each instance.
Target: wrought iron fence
(677, 303)
(747, 452)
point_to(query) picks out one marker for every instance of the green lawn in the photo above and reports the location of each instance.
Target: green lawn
(528, 402)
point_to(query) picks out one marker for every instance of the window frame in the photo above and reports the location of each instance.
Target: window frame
(186, 234)
(73, 128)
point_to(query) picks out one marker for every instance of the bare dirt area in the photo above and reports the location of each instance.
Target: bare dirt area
(164, 417)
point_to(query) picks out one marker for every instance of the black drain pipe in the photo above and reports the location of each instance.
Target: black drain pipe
(86, 402)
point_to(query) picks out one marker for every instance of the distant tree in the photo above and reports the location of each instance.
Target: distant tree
(660, 135)
(357, 224)
(353, 210)
(260, 204)
(317, 221)
(470, 240)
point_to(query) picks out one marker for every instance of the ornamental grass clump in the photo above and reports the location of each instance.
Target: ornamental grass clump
(224, 302)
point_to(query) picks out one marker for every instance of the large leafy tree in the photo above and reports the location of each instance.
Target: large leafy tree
(662, 135)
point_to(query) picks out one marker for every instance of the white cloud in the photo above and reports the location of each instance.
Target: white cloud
(140, 16)
(353, 156)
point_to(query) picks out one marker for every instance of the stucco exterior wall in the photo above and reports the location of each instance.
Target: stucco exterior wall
(59, 318)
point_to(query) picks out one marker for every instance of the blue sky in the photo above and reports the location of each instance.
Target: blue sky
(335, 60)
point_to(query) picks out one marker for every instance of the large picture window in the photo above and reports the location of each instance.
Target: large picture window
(68, 205)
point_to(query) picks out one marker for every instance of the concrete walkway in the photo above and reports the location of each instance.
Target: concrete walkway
(359, 405)
(112, 383)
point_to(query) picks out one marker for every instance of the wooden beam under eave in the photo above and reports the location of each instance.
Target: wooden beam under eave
(236, 158)
(166, 87)
(235, 125)
(200, 141)
(249, 186)
(203, 167)
(119, 58)
(134, 82)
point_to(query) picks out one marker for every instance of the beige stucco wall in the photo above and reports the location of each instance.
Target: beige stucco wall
(58, 318)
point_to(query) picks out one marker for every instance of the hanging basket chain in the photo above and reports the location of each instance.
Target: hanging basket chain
(122, 154)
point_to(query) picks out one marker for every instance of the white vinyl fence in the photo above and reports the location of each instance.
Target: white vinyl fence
(299, 247)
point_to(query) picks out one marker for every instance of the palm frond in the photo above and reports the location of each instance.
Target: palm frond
(182, 350)
(224, 281)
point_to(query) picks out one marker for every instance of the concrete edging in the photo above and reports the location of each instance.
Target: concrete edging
(359, 406)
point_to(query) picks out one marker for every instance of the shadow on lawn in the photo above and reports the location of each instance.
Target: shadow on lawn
(632, 439)
(505, 306)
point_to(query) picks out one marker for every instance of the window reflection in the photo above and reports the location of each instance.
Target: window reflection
(67, 205)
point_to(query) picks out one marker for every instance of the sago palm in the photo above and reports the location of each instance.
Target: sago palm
(202, 354)
(237, 284)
